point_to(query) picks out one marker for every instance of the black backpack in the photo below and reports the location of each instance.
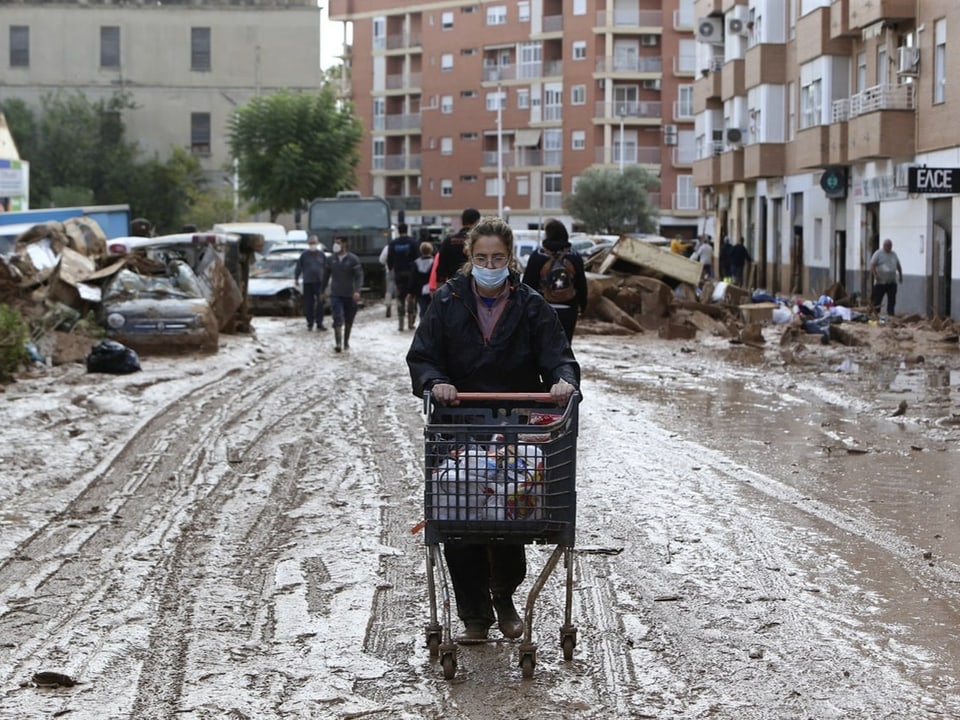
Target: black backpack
(556, 278)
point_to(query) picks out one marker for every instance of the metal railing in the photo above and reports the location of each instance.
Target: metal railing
(883, 97)
(629, 17)
(552, 23)
(630, 65)
(643, 155)
(840, 111)
(402, 40)
(628, 110)
(403, 81)
(399, 162)
(409, 121)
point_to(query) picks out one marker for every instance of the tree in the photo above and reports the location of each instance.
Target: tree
(22, 126)
(612, 203)
(292, 147)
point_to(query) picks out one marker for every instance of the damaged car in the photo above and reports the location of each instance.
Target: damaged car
(271, 288)
(159, 306)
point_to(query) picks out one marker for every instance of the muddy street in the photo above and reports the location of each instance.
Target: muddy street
(230, 537)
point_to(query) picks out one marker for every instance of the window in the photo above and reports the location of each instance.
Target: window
(200, 133)
(468, 51)
(553, 102)
(523, 99)
(552, 146)
(579, 7)
(685, 101)
(469, 94)
(200, 49)
(580, 50)
(883, 74)
(940, 61)
(469, 136)
(446, 20)
(468, 178)
(523, 11)
(861, 84)
(552, 190)
(492, 100)
(379, 114)
(379, 153)
(491, 187)
(523, 185)
(687, 56)
(810, 99)
(686, 193)
(791, 111)
(446, 146)
(446, 188)
(19, 46)
(446, 104)
(109, 46)
(578, 140)
(497, 15)
(446, 62)
(578, 95)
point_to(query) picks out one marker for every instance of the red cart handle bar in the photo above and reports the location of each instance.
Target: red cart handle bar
(525, 396)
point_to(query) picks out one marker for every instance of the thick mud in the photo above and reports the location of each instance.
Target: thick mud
(756, 539)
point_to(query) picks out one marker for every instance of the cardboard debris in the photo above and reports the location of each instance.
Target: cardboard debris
(654, 258)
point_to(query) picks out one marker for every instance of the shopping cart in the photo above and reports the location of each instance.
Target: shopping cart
(500, 468)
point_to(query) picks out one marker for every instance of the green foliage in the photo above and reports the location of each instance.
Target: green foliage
(293, 147)
(208, 206)
(22, 126)
(609, 202)
(13, 338)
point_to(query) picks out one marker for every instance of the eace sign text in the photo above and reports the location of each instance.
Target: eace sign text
(933, 180)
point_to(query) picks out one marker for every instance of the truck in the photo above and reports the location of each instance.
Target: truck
(364, 221)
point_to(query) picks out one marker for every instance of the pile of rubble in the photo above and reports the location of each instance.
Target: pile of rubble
(637, 286)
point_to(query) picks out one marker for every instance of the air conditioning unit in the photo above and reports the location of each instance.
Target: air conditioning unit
(736, 26)
(648, 40)
(908, 58)
(669, 134)
(710, 30)
(734, 136)
(651, 84)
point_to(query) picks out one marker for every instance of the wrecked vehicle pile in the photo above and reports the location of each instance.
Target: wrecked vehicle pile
(164, 293)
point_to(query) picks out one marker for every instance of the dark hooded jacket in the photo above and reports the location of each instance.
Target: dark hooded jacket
(527, 351)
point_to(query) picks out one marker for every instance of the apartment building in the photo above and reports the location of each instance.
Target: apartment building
(503, 105)
(185, 65)
(824, 128)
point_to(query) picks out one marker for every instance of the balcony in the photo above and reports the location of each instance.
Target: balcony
(629, 111)
(523, 157)
(812, 147)
(408, 42)
(863, 14)
(766, 64)
(731, 166)
(404, 122)
(553, 23)
(732, 80)
(632, 66)
(706, 171)
(882, 122)
(706, 88)
(813, 37)
(395, 163)
(838, 138)
(840, 20)
(403, 202)
(764, 160)
(637, 21)
(407, 82)
(632, 155)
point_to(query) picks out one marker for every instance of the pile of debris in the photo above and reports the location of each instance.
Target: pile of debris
(637, 286)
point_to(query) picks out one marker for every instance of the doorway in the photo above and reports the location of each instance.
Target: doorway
(871, 243)
(941, 255)
(796, 245)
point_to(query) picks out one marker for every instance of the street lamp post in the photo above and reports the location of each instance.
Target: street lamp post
(499, 149)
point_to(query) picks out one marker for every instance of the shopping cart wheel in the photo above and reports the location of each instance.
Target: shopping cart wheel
(528, 661)
(448, 661)
(434, 635)
(568, 641)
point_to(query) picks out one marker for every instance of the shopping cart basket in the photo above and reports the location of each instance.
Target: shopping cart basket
(500, 468)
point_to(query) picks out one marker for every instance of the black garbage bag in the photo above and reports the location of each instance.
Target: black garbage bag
(109, 356)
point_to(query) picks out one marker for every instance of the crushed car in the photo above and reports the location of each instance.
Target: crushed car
(152, 305)
(271, 289)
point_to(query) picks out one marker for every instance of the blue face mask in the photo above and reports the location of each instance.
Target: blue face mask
(490, 278)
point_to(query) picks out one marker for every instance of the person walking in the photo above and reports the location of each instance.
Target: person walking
(420, 278)
(314, 266)
(485, 331)
(725, 248)
(346, 280)
(556, 272)
(739, 257)
(389, 286)
(704, 255)
(452, 255)
(401, 254)
(886, 272)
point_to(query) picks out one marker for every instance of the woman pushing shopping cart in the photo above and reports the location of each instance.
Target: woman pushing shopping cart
(486, 332)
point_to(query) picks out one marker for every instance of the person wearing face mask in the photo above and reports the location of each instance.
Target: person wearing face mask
(346, 280)
(485, 331)
(315, 268)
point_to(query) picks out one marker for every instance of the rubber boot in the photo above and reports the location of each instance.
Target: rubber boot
(346, 336)
(400, 317)
(337, 338)
(411, 314)
(389, 306)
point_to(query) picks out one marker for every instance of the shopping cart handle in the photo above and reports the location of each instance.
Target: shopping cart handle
(541, 397)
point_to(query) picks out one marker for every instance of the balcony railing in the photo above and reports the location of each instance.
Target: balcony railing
(883, 97)
(628, 110)
(492, 73)
(686, 201)
(397, 162)
(629, 17)
(643, 155)
(552, 23)
(840, 111)
(525, 157)
(400, 82)
(630, 65)
(403, 40)
(682, 110)
(400, 122)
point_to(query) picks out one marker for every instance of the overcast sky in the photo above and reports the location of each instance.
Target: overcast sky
(331, 39)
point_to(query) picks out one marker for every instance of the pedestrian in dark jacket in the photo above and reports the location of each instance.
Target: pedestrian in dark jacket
(726, 247)
(401, 254)
(314, 266)
(556, 243)
(346, 280)
(452, 254)
(420, 281)
(739, 257)
(485, 331)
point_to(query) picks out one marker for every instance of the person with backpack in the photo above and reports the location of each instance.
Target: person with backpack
(452, 253)
(556, 272)
(401, 254)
